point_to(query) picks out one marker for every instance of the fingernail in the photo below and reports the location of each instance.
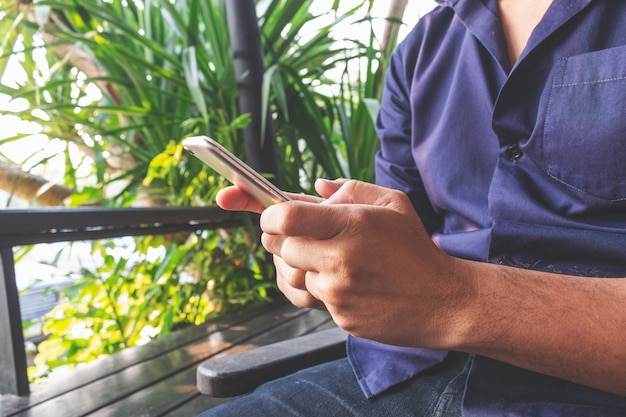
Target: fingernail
(337, 182)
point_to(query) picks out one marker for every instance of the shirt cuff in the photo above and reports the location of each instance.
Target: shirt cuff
(378, 367)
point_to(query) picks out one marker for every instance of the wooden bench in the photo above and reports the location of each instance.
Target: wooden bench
(159, 379)
(240, 373)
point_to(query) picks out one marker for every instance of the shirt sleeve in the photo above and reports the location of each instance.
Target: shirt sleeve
(395, 164)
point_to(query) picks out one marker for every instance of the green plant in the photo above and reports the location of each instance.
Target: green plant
(358, 102)
(324, 125)
(162, 71)
(124, 82)
(142, 289)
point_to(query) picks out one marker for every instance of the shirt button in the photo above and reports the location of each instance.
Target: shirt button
(514, 153)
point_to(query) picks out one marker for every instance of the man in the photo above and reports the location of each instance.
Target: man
(485, 275)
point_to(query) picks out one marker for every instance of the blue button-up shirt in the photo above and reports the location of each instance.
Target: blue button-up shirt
(523, 165)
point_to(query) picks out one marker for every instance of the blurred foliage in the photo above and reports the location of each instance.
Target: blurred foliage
(115, 86)
(145, 290)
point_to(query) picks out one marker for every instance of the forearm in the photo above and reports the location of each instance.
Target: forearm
(569, 327)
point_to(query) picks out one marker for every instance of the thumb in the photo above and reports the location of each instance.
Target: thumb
(327, 188)
(358, 192)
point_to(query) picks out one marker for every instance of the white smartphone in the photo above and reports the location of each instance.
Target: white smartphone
(234, 170)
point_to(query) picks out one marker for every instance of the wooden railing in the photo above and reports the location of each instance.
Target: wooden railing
(32, 226)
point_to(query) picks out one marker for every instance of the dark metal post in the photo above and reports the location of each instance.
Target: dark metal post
(245, 40)
(13, 374)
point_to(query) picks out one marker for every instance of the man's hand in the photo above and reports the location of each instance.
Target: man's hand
(364, 255)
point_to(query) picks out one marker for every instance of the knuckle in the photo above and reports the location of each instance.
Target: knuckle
(296, 278)
(290, 218)
(350, 185)
(266, 240)
(290, 249)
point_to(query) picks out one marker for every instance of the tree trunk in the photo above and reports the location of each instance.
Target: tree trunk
(31, 187)
(394, 17)
(245, 40)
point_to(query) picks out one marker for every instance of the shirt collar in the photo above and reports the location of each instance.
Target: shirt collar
(482, 19)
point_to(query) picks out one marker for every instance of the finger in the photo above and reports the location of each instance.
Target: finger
(305, 197)
(297, 253)
(303, 254)
(273, 243)
(296, 218)
(292, 283)
(300, 298)
(295, 278)
(327, 188)
(358, 192)
(233, 198)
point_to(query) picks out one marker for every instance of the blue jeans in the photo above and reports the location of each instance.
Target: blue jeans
(331, 390)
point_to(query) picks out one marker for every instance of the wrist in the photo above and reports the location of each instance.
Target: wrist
(464, 320)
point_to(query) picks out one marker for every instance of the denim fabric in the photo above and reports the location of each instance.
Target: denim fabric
(330, 390)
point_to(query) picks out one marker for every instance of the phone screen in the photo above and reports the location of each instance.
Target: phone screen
(234, 170)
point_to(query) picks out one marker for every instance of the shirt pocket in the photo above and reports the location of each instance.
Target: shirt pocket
(584, 140)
